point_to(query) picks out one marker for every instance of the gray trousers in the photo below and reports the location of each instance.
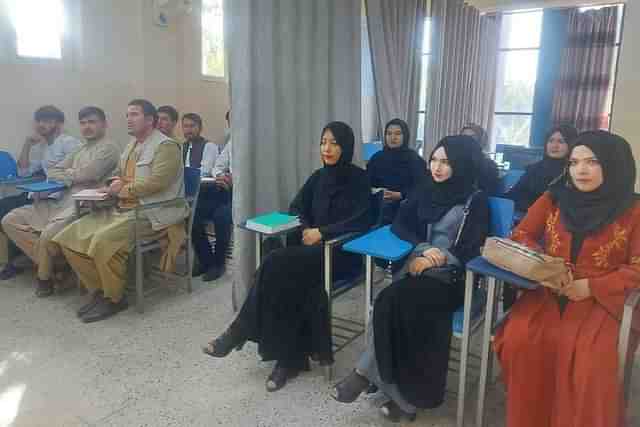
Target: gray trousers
(367, 366)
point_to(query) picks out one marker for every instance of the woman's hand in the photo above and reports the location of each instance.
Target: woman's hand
(392, 195)
(578, 290)
(436, 256)
(418, 265)
(311, 236)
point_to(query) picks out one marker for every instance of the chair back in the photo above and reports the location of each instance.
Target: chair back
(370, 148)
(191, 182)
(501, 213)
(510, 179)
(8, 166)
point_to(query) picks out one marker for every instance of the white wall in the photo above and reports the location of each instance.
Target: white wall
(117, 54)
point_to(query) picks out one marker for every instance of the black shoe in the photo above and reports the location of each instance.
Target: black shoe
(95, 300)
(9, 272)
(225, 343)
(393, 413)
(214, 273)
(44, 288)
(350, 388)
(281, 375)
(104, 309)
(198, 270)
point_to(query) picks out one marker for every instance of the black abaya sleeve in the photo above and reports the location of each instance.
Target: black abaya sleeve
(405, 224)
(475, 230)
(302, 203)
(524, 193)
(418, 173)
(489, 179)
(359, 218)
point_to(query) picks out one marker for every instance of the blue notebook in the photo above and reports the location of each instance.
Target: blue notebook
(41, 187)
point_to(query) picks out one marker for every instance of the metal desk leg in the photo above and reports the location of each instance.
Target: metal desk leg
(368, 288)
(486, 349)
(258, 250)
(464, 351)
(328, 286)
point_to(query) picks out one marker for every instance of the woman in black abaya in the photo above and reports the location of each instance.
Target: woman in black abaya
(286, 312)
(397, 168)
(408, 350)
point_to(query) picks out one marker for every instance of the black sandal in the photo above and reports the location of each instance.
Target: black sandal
(44, 289)
(225, 343)
(393, 413)
(350, 388)
(280, 375)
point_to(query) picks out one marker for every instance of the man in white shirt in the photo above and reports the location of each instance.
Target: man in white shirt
(214, 205)
(46, 147)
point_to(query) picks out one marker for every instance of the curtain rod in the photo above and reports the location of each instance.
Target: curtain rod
(559, 4)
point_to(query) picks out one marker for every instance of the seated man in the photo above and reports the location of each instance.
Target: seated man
(167, 120)
(47, 146)
(97, 245)
(214, 205)
(197, 152)
(32, 227)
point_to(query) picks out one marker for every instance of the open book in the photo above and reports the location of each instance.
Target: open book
(90, 195)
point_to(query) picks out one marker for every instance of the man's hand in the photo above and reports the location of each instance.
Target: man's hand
(311, 236)
(224, 181)
(418, 265)
(436, 256)
(392, 195)
(115, 187)
(578, 290)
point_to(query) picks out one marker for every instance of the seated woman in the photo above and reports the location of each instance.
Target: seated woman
(286, 312)
(397, 168)
(558, 350)
(408, 350)
(488, 174)
(539, 175)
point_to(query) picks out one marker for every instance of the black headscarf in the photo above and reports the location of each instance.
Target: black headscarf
(549, 169)
(585, 213)
(396, 168)
(439, 197)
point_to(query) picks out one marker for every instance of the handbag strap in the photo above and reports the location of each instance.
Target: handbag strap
(465, 214)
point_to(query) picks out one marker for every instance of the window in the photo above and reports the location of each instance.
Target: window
(39, 26)
(606, 124)
(516, 78)
(424, 79)
(212, 39)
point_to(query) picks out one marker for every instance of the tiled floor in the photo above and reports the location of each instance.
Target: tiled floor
(148, 370)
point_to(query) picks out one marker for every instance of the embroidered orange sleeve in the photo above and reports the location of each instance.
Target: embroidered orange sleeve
(610, 290)
(531, 229)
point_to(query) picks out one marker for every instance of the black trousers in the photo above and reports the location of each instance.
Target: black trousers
(214, 205)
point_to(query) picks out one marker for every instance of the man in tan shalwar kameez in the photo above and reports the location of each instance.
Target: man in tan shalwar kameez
(32, 227)
(97, 246)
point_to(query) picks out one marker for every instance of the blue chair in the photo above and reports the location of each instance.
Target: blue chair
(8, 166)
(369, 149)
(143, 246)
(509, 179)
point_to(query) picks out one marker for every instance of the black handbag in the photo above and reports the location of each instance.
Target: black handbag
(452, 273)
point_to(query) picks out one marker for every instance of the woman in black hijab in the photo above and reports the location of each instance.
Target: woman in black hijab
(397, 168)
(286, 312)
(539, 175)
(408, 350)
(557, 348)
(488, 174)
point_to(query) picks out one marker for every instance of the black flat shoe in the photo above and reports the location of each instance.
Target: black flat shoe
(104, 309)
(350, 388)
(44, 288)
(230, 339)
(9, 272)
(97, 297)
(393, 413)
(214, 273)
(281, 375)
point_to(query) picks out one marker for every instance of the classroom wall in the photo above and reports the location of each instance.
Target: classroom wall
(115, 53)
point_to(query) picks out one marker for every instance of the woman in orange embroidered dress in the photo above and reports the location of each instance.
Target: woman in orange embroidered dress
(558, 352)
